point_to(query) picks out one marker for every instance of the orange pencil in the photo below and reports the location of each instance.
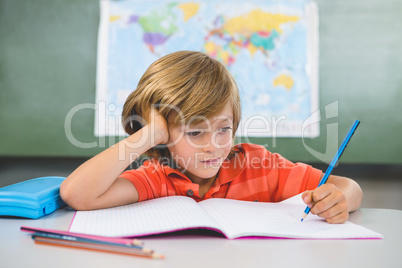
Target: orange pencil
(98, 247)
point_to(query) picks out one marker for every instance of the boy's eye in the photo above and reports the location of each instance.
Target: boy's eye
(193, 133)
(226, 129)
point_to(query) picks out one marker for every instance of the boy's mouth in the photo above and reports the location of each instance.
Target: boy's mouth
(210, 161)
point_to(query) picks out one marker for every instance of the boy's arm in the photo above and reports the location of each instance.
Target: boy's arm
(96, 183)
(334, 199)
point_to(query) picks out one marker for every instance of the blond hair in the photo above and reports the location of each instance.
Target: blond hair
(186, 81)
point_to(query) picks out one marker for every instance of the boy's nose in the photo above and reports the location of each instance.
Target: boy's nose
(208, 148)
(207, 143)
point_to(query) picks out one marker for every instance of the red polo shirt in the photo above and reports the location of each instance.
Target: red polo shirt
(252, 174)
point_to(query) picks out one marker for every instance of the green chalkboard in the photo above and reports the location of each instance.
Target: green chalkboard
(48, 54)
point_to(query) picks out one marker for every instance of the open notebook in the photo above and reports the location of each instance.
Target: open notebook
(232, 218)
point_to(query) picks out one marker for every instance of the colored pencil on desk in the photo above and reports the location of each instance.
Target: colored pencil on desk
(97, 247)
(125, 241)
(86, 240)
(335, 160)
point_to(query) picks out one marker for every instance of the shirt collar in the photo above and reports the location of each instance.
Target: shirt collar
(233, 167)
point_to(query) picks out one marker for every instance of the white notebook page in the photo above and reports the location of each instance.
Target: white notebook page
(235, 218)
(283, 219)
(147, 217)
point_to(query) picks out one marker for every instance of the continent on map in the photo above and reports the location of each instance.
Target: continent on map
(158, 27)
(189, 10)
(254, 31)
(284, 80)
(160, 24)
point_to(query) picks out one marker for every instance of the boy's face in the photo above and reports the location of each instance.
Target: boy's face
(200, 149)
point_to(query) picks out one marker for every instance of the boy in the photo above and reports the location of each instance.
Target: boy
(183, 115)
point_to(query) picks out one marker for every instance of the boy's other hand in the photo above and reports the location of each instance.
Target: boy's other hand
(159, 127)
(328, 202)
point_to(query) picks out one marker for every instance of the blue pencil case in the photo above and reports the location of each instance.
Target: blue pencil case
(32, 198)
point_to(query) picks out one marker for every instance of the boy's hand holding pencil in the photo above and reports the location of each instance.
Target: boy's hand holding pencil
(328, 202)
(335, 199)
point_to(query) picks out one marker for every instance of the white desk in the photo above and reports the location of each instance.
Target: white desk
(17, 249)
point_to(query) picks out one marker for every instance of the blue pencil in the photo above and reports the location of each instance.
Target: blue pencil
(335, 160)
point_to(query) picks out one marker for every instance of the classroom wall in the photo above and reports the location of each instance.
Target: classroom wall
(48, 67)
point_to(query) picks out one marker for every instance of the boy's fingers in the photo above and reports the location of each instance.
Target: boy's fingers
(307, 197)
(332, 203)
(327, 211)
(338, 218)
(323, 191)
(328, 202)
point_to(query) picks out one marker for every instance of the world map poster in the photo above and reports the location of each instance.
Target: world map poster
(270, 47)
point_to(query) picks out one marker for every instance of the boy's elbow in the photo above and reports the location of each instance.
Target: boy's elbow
(70, 197)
